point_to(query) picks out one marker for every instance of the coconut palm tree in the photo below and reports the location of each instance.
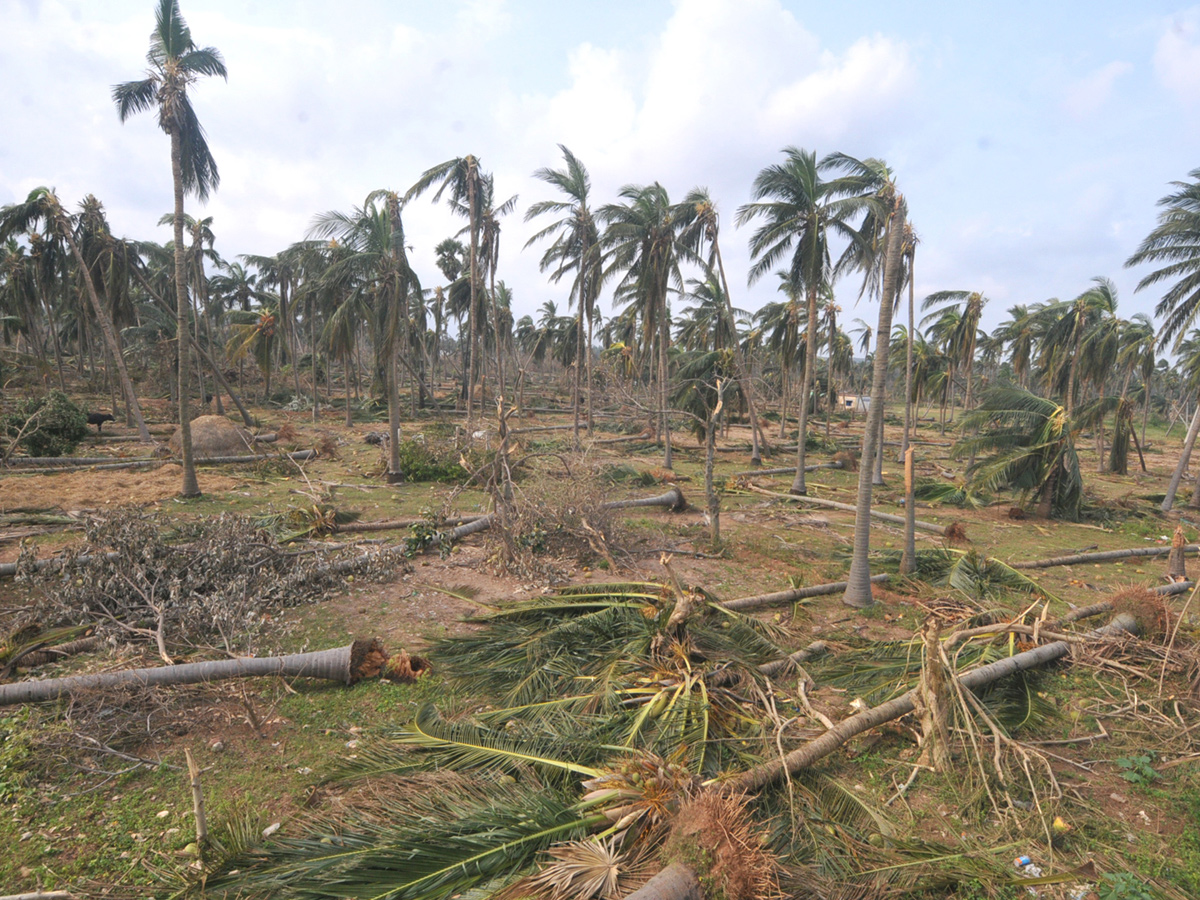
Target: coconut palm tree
(1069, 324)
(175, 63)
(575, 248)
(699, 225)
(42, 206)
(955, 320)
(377, 266)
(799, 210)
(463, 178)
(642, 244)
(1033, 450)
(867, 187)
(1174, 246)
(909, 255)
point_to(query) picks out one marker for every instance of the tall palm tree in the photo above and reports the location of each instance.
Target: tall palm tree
(642, 242)
(175, 63)
(1070, 324)
(868, 187)
(43, 206)
(1174, 246)
(575, 248)
(377, 264)
(463, 177)
(909, 255)
(799, 210)
(1017, 334)
(700, 227)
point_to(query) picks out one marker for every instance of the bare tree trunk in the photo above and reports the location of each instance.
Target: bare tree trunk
(1185, 455)
(739, 362)
(345, 664)
(190, 487)
(908, 560)
(810, 361)
(858, 593)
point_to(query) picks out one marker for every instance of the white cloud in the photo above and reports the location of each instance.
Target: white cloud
(1088, 95)
(1177, 58)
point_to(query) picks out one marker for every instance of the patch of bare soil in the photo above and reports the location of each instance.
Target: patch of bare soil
(100, 489)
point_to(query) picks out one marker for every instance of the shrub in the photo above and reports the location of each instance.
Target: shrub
(47, 426)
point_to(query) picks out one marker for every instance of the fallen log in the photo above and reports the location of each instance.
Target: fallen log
(807, 754)
(362, 659)
(833, 504)
(672, 499)
(782, 598)
(673, 884)
(55, 653)
(1101, 556)
(395, 524)
(786, 470)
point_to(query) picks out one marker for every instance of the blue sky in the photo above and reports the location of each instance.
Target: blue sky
(1032, 140)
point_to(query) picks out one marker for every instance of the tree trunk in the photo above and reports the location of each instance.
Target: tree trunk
(712, 499)
(676, 882)
(472, 324)
(394, 475)
(858, 592)
(345, 664)
(739, 362)
(190, 487)
(805, 755)
(782, 598)
(908, 370)
(833, 504)
(810, 360)
(106, 328)
(1188, 444)
(908, 560)
(664, 336)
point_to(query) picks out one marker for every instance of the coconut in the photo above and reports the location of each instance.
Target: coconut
(214, 436)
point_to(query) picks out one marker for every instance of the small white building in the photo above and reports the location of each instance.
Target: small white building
(854, 403)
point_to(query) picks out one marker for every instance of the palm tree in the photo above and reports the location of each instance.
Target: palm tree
(575, 248)
(376, 263)
(1069, 324)
(176, 62)
(1174, 245)
(642, 241)
(957, 323)
(799, 210)
(909, 255)
(463, 178)
(1033, 447)
(699, 225)
(43, 206)
(868, 186)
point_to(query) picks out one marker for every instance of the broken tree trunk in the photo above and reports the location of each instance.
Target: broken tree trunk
(833, 504)
(362, 659)
(1100, 556)
(781, 598)
(673, 884)
(786, 470)
(1176, 567)
(672, 499)
(807, 754)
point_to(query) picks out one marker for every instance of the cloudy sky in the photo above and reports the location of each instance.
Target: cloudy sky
(1032, 144)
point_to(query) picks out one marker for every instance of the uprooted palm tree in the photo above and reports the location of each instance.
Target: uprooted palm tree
(1032, 445)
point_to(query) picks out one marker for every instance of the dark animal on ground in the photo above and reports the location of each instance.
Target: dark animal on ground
(98, 419)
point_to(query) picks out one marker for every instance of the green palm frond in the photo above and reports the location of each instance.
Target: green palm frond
(435, 844)
(955, 493)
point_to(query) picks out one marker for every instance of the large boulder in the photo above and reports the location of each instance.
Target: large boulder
(215, 436)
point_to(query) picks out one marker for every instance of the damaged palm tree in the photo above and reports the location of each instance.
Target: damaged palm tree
(349, 664)
(606, 722)
(932, 700)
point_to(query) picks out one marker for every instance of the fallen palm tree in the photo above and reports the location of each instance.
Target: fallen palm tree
(787, 470)
(651, 695)
(782, 598)
(73, 463)
(349, 664)
(943, 530)
(1074, 559)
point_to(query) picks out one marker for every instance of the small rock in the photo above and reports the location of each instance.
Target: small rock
(162, 813)
(1118, 798)
(217, 746)
(271, 829)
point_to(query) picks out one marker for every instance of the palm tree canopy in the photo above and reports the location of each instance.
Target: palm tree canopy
(175, 62)
(1174, 244)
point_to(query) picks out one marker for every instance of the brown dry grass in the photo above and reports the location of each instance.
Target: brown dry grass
(101, 489)
(216, 436)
